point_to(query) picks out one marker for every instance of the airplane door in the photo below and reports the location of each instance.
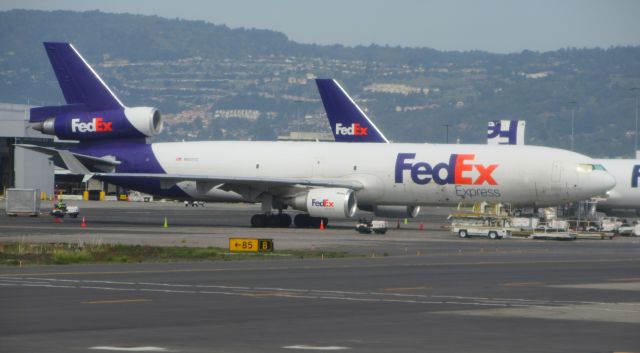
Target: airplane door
(558, 184)
(556, 173)
(317, 167)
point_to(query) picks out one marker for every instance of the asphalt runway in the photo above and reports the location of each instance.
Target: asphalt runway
(432, 293)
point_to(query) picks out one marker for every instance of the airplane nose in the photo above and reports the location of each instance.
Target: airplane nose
(606, 181)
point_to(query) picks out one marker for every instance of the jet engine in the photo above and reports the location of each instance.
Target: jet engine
(138, 122)
(327, 202)
(392, 211)
(396, 211)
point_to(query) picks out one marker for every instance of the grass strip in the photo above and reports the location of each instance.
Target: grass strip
(22, 254)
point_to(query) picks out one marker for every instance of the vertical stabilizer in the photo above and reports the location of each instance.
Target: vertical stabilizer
(348, 122)
(79, 83)
(506, 132)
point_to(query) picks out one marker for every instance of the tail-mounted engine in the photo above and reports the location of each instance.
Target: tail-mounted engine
(138, 122)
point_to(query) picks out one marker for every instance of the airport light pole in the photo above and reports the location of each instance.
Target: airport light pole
(573, 111)
(447, 127)
(635, 134)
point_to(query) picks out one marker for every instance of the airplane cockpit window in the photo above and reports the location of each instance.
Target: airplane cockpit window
(584, 167)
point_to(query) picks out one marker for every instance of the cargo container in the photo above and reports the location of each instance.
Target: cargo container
(22, 202)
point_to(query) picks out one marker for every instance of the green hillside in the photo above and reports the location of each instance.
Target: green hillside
(215, 82)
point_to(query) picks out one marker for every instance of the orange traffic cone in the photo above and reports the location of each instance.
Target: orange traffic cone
(421, 226)
(322, 224)
(84, 223)
(57, 219)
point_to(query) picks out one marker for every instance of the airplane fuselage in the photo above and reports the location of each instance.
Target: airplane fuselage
(626, 193)
(392, 174)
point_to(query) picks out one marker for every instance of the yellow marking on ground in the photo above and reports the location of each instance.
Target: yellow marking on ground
(119, 301)
(406, 289)
(630, 279)
(515, 284)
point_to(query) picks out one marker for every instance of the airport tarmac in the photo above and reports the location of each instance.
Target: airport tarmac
(433, 292)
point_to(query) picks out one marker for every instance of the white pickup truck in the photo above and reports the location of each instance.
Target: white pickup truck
(632, 230)
(474, 231)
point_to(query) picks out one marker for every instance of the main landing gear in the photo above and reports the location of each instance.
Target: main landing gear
(303, 220)
(281, 220)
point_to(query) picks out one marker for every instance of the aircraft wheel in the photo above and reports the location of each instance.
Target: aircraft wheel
(258, 221)
(302, 220)
(284, 220)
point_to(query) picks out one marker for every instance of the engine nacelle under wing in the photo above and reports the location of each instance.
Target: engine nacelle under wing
(395, 211)
(327, 202)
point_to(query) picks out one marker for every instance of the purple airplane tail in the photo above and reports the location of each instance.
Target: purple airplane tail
(92, 111)
(348, 122)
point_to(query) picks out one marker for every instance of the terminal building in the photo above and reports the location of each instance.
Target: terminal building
(20, 168)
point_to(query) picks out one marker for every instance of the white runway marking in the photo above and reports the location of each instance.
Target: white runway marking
(317, 294)
(131, 349)
(316, 348)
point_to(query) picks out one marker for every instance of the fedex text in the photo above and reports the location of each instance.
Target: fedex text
(322, 203)
(96, 125)
(354, 130)
(457, 171)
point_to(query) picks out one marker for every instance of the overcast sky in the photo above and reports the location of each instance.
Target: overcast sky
(499, 26)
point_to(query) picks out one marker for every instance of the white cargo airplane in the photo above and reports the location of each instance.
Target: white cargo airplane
(624, 196)
(341, 113)
(323, 179)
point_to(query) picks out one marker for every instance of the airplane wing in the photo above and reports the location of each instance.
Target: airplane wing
(168, 180)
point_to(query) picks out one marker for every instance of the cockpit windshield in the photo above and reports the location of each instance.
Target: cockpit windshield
(584, 167)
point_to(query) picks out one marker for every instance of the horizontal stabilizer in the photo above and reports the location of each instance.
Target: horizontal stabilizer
(76, 163)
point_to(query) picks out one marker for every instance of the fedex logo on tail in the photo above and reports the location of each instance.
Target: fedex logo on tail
(96, 125)
(506, 132)
(457, 171)
(354, 130)
(322, 203)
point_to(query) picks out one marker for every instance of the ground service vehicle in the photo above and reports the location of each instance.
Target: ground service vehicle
(366, 226)
(60, 209)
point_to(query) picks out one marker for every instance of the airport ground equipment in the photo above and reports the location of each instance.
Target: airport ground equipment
(22, 202)
(629, 229)
(61, 209)
(610, 224)
(468, 225)
(366, 226)
(554, 235)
